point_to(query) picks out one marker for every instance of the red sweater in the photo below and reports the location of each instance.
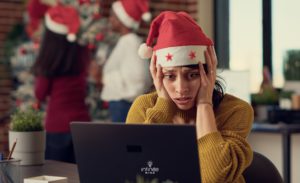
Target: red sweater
(65, 102)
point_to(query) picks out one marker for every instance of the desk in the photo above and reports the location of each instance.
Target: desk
(286, 131)
(54, 168)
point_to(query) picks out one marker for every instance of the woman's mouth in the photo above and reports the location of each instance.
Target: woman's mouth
(182, 100)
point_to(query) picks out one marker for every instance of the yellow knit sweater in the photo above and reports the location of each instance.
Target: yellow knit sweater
(225, 154)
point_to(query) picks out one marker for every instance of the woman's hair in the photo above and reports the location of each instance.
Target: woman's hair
(58, 56)
(218, 93)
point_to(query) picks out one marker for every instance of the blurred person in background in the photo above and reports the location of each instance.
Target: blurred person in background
(60, 80)
(125, 74)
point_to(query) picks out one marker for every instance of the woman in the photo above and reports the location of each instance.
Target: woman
(61, 70)
(125, 74)
(187, 93)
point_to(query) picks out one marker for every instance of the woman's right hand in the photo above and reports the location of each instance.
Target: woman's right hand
(157, 76)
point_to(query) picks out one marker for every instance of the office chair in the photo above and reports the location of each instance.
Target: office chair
(261, 170)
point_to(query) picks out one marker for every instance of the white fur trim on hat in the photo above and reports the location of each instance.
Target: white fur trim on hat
(145, 51)
(123, 16)
(55, 27)
(180, 55)
(71, 37)
(146, 16)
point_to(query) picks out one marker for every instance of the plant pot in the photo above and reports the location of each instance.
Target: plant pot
(30, 147)
(261, 113)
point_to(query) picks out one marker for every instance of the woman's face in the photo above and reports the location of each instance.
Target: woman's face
(182, 85)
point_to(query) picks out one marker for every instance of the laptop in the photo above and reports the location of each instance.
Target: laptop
(130, 153)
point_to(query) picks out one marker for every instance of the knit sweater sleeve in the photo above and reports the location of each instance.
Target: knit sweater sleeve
(150, 109)
(225, 154)
(42, 88)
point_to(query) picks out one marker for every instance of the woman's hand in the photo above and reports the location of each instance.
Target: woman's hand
(157, 76)
(207, 79)
(205, 120)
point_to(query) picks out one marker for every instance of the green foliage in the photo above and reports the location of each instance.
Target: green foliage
(27, 120)
(12, 40)
(267, 97)
(286, 94)
(292, 65)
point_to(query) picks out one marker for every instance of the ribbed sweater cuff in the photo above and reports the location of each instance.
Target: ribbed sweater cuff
(210, 140)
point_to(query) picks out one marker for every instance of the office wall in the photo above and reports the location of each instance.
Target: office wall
(206, 16)
(270, 145)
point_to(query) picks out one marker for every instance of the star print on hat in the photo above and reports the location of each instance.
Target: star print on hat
(131, 12)
(63, 19)
(180, 40)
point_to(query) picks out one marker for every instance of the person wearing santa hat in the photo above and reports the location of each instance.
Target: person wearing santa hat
(36, 10)
(60, 80)
(125, 74)
(183, 68)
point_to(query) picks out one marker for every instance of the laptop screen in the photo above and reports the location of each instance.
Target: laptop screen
(123, 153)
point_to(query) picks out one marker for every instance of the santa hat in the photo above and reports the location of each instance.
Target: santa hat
(36, 11)
(180, 41)
(63, 19)
(131, 12)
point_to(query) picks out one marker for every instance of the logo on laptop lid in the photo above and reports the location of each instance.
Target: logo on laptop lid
(150, 169)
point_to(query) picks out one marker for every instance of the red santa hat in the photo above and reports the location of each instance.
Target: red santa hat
(180, 40)
(63, 19)
(36, 11)
(131, 12)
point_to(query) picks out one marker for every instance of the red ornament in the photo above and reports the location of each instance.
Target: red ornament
(18, 102)
(36, 106)
(36, 45)
(96, 16)
(99, 37)
(91, 46)
(23, 51)
(81, 2)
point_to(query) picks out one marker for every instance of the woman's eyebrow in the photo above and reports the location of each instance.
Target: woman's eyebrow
(167, 70)
(190, 70)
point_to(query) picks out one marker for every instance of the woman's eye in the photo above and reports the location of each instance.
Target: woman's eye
(169, 76)
(193, 75)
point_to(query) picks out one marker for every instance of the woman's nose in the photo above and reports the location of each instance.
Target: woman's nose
(181, 86)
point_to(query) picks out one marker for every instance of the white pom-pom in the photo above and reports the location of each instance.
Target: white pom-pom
(145, 51)
(147, 16)
(71, 37)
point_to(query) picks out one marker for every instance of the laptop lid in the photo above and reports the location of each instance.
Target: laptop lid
(125, 153)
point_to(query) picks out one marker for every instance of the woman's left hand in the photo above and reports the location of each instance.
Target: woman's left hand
(208, 79)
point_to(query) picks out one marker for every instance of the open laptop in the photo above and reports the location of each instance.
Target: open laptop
(125, 153)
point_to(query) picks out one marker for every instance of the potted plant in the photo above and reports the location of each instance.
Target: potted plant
(263, 102)
(27, 128)
(285, 99)
(291, 71)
